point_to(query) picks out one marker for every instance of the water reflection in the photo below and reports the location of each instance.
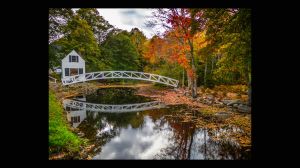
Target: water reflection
(113, 100)
(151, 134)
(75, 115)
(134, 143)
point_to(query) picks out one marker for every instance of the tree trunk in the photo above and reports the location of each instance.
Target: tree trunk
(194, 85)
(183, 78)
(205, 153)
(190, 146)
(189, 82)
(212, 66)
(248, 80)
(194, 77)
(249, 93)
(205, 71)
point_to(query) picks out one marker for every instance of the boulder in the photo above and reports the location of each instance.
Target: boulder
(219, 105)
(222, 115)
(206, 101)
(226, 101)
(244, 109)
(232, 102)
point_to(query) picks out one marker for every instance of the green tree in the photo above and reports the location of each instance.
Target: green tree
(229, 31)
(121, 52)
(79, 36)
(55, 55)
(58, 19)
(100, 26)
(138, 39)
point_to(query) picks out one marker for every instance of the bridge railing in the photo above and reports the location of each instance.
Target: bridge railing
(113, 108)
(121, 75)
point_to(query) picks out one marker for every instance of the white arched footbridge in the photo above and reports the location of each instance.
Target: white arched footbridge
(121, 75)
(112, 108)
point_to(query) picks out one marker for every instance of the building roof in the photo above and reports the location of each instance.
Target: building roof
(73, 52)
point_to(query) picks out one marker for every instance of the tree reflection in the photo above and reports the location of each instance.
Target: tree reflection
(180, 140)
(189, 142)
(116, 96)
(218, 144)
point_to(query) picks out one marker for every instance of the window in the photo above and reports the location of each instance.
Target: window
(80, 71)
(73, 58)
(67, 72)
(75, 119)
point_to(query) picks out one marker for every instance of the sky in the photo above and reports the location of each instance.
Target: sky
(128, 18)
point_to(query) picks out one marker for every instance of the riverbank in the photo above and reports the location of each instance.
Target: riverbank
(63, 143)
(227, 100)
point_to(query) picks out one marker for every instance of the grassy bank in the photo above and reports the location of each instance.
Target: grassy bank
(61, 138)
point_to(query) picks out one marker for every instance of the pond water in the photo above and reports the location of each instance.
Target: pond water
(150, 134)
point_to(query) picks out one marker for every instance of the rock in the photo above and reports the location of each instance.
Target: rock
(217, 102)
(222, 115)
(208, 102)
(244, 109)
(210, 97)
(219, 105)
(235, 105)
(232, 102)
(226, 101)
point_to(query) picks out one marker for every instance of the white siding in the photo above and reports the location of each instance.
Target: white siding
(76, 113)
(80, 113)
(66, 64)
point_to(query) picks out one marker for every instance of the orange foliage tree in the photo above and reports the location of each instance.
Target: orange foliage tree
(181, 25)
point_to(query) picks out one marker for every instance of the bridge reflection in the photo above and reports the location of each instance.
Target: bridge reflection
(77, 108)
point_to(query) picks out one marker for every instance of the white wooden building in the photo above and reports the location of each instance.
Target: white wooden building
(72, 64)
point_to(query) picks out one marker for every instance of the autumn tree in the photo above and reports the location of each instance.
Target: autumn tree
(186, 22)
(157, 57)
